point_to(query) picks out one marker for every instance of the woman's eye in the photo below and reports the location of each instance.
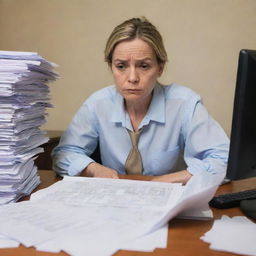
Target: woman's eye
(120, 66)
(144, 66)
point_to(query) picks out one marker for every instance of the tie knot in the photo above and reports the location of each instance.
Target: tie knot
(134, 136)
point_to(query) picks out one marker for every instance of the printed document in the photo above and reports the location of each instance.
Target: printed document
(77, 214)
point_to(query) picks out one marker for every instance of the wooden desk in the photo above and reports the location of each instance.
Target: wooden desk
(183, 237)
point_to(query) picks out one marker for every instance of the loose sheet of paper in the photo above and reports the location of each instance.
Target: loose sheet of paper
(6, 242)
(236, 235)
(109, 192)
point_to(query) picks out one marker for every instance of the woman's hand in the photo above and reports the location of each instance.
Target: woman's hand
(176, 177)
(99, 171)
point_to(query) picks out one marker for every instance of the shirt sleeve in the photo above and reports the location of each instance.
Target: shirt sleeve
(72, 154)
(206, 144)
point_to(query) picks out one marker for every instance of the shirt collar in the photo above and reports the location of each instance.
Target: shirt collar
(156, 111)
(119, 113)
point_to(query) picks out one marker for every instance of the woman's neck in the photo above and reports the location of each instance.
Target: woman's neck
(137, 111)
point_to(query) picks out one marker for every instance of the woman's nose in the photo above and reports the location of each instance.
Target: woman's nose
(133, 76)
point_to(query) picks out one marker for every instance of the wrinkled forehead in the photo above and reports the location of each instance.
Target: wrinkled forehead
(135, 49)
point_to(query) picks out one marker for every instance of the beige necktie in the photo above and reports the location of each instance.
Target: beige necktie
(133, 164)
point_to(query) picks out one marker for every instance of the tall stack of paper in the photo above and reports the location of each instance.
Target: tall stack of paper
(24, 96)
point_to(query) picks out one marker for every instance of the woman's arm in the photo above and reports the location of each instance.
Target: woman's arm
(206, 144)
(176, 177)
(100, 171)
(79, 141)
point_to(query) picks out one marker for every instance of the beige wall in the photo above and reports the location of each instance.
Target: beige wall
(202, 38)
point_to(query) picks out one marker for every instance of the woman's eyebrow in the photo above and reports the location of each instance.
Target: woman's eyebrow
(145, 59)
(140, 59)
(119, 60)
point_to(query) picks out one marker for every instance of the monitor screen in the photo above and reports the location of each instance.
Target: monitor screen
(242, 154)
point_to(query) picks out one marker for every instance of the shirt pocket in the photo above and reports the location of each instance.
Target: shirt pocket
(163, 162)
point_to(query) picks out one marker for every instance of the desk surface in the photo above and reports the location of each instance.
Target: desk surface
(183, 236)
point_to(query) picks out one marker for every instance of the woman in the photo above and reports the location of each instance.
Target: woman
(142, 127)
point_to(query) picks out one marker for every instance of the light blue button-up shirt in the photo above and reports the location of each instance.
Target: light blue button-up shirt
(178, 133)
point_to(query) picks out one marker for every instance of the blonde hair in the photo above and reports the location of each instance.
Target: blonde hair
(136, 28)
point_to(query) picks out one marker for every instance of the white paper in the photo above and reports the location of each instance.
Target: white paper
(235, 235)
(24, 97)
(77, 214)
(196, 194)
(6, 242)
(32, 223)
(109, 192)
(203, 213)
(149, 242)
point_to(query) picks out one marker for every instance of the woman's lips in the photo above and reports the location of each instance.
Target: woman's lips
(133, 90)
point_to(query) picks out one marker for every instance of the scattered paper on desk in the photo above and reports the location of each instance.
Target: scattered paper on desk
(236, 235)
(204, 213)
(149, 242)
(24, 96)
(6, 242)
(77, 214)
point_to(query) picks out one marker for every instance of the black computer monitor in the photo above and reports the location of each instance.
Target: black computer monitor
(242, 154)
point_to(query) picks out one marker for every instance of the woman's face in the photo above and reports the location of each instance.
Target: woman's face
(135, 70)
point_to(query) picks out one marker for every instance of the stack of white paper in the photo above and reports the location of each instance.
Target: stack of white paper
(24, 96)
(236, 235)
(78, 214)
